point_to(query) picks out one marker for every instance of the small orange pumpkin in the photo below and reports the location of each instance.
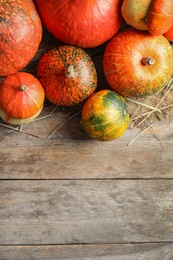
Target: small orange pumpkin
(21, 98)
(137, 64)
(67, 74)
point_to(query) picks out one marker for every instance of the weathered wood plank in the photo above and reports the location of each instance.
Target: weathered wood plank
(72, 157)
(83, 160)
(153, 251)
(86, 211)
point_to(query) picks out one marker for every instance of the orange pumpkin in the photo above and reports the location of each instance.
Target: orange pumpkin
(137, 64)
(156, 16)
(160, 17)
(67, 74)
(21, 98)
(169, 34)
(82, 23)
(20, 34)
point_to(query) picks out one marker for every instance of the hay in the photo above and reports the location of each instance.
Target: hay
(148, 110)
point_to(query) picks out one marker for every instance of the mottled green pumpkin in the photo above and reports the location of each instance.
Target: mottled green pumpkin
(105, 115)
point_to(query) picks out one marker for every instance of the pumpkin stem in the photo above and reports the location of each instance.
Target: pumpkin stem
(70, 71)
(22, 88)
(148, 61)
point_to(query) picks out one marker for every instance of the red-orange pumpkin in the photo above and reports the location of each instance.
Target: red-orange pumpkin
(137, 64)
(20, 34)
(160, 17)
(67, 74)
(169, 34)
(82, 23)
(21, 98)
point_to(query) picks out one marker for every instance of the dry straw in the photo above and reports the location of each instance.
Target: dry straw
(146, 111)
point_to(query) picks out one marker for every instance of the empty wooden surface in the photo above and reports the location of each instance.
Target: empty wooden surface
(86, 211)
(70, 197)
(139, 251)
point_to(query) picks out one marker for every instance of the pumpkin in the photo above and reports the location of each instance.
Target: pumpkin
(138, 64)
(85, 23)
(160, 17)
(169, 34)
(21, 98)
(20, 34)
(153, 15)
(105, 115)
(67, 74)
(135, 12)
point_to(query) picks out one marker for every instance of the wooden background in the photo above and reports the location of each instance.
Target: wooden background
(70, 197)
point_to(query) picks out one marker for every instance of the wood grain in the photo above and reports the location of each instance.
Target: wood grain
(154, 251)
(86, 211)
(71, 154)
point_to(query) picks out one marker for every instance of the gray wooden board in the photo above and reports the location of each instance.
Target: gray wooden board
(75, 156)
(86, 211)
(151, 251)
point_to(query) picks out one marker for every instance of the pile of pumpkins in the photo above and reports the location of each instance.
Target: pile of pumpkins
(137, 61)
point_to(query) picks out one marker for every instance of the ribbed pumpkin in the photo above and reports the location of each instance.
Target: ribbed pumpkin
(67, 74)
(83, 23)
(21, 98)
(137, 64)
(105, 115)
(20, 34)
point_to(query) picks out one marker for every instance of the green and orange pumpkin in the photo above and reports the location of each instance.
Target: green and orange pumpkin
(67, 74)
(105, 115)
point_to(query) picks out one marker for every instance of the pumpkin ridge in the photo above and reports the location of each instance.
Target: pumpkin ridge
(119, 131)
(32, 97)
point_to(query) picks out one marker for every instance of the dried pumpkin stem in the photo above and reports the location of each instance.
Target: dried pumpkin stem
(70, 71)
(148, 61)
(22, 88)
